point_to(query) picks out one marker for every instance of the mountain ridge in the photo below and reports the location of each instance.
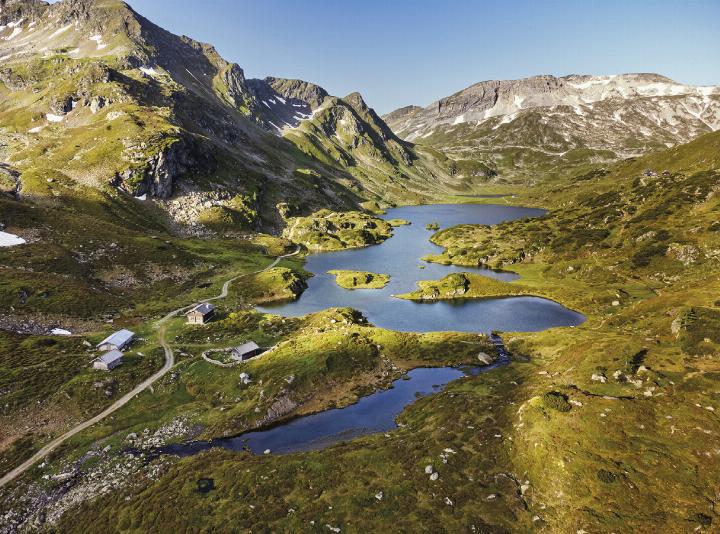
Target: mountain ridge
(193, 133)
(521, 128)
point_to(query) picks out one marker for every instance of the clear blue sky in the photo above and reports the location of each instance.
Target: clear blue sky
(400, 52)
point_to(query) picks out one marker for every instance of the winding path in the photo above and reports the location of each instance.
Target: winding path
(169, 363)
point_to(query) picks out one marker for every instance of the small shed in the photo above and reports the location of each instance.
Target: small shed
(245, 351)
(108, 361)
(200, 314)
(117, 341)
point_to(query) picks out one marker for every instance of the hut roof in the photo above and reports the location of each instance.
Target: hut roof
(110, 357)
(119, 338)
(204, 308)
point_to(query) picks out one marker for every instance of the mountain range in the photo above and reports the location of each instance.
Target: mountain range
(96, 96)
(509, 130)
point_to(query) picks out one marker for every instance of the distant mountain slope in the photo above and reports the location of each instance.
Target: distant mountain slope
(96, 98)
(522, 128)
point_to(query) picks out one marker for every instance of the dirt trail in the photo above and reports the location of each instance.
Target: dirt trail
(169, 363)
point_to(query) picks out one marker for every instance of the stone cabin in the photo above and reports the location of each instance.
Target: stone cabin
(245, 351)
(117, 341)
(108, 361)
(201, 314)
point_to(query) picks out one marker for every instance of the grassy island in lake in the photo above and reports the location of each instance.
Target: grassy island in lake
(360, 279)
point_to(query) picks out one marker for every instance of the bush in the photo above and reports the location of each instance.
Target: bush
(555, 400)
(643, 256)
(606, 476)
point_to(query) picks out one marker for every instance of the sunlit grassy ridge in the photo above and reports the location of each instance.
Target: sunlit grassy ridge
(598, 427)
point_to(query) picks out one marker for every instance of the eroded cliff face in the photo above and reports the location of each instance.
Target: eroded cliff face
(160, 172)
(497, 98)
(520, 130)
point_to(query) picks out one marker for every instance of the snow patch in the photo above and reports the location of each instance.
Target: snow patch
(99, 41)
(281, 99)
(37, 129)
(15, 33)
(149, 71)
(10, 240)
(459, 119)
(59, 31)
(506, 119)
(54, 118)
(60, 332)
(142, 197)
(599, 80)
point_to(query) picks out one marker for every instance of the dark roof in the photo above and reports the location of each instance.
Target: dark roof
(204, 308)
(250, 346)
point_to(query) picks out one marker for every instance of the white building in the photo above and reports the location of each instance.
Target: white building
(117, 341)
(245, 351)
(108, 361)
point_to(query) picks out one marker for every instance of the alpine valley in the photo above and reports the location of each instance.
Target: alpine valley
(551, 246)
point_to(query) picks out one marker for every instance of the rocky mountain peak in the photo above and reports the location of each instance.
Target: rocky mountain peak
(500, 98)
(14, 10)
(510, 126)
(312, 94)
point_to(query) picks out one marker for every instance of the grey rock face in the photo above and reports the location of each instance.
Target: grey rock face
(97, 103)
(234, 78)
(640, 100)
(157, 177)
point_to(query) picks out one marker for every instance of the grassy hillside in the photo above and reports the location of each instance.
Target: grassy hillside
(596, 428)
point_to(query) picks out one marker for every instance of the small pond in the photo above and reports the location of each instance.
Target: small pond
(371, 414)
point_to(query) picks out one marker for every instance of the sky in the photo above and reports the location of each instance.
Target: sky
(401, 52)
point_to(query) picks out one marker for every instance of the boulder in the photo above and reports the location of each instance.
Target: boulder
(485, 358)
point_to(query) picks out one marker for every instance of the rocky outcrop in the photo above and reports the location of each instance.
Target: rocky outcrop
(499, 98)
(12, 10)
(308, 92)
(12, 81)
(157, 176)
(237, 91)
(9, 180)
(281, 406)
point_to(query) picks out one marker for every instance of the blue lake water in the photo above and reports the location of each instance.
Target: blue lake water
(400, 256)
(371, 414)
